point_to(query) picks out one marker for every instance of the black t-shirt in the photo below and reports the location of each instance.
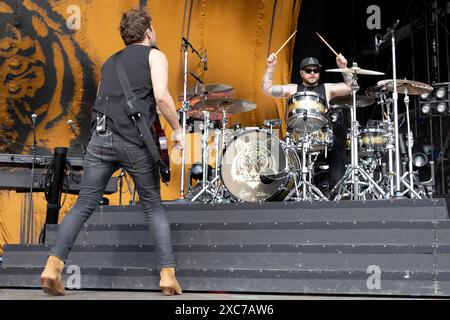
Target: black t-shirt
(110, 99)
(319, 89)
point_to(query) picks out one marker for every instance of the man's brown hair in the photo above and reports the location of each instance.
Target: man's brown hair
(133, 25)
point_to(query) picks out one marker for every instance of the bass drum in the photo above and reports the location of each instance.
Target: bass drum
(249, 154)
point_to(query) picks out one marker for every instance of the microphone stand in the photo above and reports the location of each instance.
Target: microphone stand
(30, 214)
(184, 109)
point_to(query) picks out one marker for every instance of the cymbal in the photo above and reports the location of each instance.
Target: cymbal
(210, 89)
(412, 88)
(357, 70)
(375, 91)
(231, 106)
(347, 101)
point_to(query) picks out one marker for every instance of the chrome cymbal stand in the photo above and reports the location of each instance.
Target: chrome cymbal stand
(211, 190)
(355, 177)
(378, 42)
(413, 179)
(386, 104)
(185, 107)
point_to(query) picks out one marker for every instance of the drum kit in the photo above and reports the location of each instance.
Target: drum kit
(255, 165)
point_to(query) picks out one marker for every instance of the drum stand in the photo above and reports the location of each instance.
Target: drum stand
(351, 182)
(413, 179)
(210, 191)
(304, 189)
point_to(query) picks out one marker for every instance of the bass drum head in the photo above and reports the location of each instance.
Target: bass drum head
(249, 154)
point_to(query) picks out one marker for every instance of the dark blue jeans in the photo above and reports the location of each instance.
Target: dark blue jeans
(104, 155)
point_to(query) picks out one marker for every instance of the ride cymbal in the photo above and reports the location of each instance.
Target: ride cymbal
(347, 101)
(412, 88)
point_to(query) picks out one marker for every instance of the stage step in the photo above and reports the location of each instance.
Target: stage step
(404, 283)
(386, 232)
(398, 210)
(320, 248)
(287, 257)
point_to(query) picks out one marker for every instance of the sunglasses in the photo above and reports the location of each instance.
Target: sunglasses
(309, 71)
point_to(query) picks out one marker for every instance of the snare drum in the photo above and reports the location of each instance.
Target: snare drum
(250, 153)
(306, 112)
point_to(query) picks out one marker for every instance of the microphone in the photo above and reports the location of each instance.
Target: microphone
(33, 120)
(205, 61)
(388, 33)
(377, 45)
(72, 128)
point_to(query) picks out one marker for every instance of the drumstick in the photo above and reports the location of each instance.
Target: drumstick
(286, 42)
(337, 55)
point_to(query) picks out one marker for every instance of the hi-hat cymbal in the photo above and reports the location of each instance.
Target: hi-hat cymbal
(347, 101)
(412, 88)
(210, 89)
(217, 105)
(357, 70)
(375, 91)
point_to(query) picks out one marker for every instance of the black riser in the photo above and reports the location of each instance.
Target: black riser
(418, 284)
(376, 236)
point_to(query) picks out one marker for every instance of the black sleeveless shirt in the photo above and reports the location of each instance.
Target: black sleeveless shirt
(319, 89)
(110, 99)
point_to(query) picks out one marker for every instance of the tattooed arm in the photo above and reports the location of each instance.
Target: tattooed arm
(277, 91)
(340, 89)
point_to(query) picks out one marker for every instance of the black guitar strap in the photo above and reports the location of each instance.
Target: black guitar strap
(134, 111)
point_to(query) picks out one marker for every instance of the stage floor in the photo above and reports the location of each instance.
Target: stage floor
(35, 294)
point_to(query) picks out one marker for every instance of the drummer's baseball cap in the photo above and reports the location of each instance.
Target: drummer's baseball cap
(310, 61)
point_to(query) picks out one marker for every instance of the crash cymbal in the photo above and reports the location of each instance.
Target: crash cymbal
(211, 90)
(231, 106)
(357, 70)
(347, 101)
(412, 88)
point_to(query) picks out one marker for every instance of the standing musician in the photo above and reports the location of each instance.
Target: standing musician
(116, 143)
(310, 73)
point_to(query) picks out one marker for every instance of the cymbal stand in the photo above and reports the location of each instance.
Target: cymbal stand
(391, 32)
(390, 146)
(354, 172)
(214, 186)
(185, 108)
(409, 184)
(205, 148)
(30, 211)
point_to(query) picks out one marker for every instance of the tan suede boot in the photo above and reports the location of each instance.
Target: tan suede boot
(169, 284)
(51, 281)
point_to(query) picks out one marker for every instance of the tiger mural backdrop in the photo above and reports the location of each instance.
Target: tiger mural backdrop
(51, 52)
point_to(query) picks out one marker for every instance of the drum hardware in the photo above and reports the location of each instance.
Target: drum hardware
(270, 124)
(184, 111)
(355, 176)
(409, 179)
(304, 189)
